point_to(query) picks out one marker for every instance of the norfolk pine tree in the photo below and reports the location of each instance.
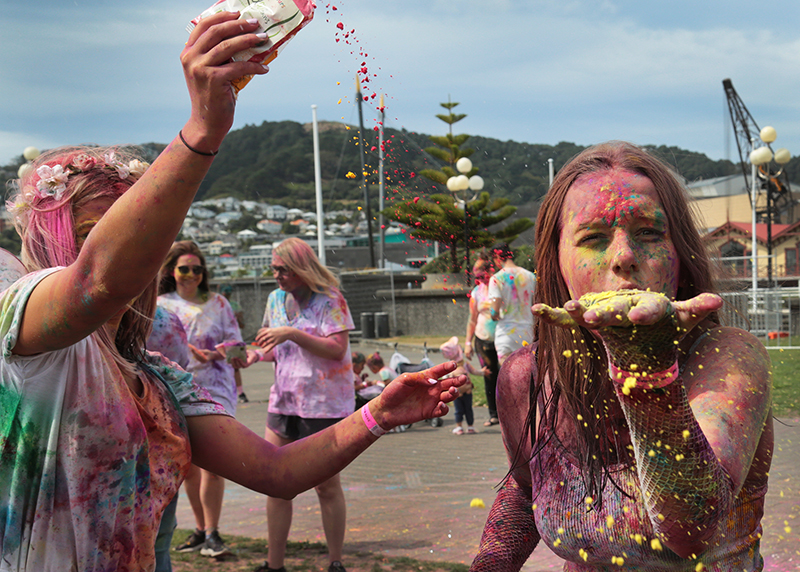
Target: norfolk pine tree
(439, 218)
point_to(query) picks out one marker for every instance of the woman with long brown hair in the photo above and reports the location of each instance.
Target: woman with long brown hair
(638, 428)
(210, 324)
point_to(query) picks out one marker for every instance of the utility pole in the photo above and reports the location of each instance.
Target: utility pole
(359, 99)
(381, 222)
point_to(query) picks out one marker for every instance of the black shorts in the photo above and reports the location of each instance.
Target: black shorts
(292, 427)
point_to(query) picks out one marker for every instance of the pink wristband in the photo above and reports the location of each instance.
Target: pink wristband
(647, 380)
(370, 422)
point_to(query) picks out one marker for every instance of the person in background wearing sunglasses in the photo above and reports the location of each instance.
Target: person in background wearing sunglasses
(306, 333)
(209, 321)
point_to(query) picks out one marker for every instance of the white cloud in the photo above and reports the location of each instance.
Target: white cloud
(540, 71)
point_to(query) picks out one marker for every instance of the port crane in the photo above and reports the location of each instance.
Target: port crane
(774, 200)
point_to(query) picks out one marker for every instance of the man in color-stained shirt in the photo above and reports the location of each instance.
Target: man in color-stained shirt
(511, 295)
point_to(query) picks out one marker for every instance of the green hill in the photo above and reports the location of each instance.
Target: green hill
(273, 162)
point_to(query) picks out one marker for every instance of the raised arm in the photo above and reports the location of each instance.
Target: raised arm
(123, 253)
(695, 431)
(695, 439)
(226, 447)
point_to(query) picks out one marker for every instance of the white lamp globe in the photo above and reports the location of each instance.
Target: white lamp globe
(462, 183)
(464, 165)
(451, 184)
(476, 183)
(768, 134)
(761, 156)
(782, 156)
(30, 153)
(24, 169)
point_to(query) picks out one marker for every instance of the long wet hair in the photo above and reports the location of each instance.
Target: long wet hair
(582, 387)
(46, 224)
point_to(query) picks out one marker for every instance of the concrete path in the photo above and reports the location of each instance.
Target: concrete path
(409, 494)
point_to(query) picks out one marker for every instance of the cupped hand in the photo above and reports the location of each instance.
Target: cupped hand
(209, 70)
(268, 338)
(628, 308)
(413, 397)
(635, 326)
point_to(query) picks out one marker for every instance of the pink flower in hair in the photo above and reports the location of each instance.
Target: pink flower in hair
(52, 181)
(84, 162)
(122, 169)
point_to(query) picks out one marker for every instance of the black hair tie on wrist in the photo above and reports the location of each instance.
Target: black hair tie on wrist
(192, 149)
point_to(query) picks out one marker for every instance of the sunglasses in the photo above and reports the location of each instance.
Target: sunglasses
(280, 270)
(185, 270)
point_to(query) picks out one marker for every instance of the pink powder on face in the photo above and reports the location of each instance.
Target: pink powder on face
(615, 235)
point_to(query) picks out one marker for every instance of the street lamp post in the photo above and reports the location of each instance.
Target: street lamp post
(463, 183)
(761, 158)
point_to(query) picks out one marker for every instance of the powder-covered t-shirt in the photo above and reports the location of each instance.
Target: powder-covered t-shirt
(307, 385)
(87, 465)
(485, 326)
(169, 338)
(207, 325)
(514, 329)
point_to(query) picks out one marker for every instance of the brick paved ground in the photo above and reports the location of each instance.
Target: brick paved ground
(409, 494)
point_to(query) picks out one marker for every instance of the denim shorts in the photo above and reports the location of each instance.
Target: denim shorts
(292, 427)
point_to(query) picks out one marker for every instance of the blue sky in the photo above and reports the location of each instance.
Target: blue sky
(584, 71)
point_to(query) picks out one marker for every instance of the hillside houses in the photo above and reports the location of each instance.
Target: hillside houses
(237, 236)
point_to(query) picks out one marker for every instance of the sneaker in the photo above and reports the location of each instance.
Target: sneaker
(458, 431)
(214, 546)
(195, 542)
(243, 398)
(265, 568)
(471, 431)
(336, 566)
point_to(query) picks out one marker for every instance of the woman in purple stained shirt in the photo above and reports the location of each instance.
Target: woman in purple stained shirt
(209, 323)
(305, 332)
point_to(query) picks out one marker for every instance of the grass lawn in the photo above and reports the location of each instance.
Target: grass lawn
(785, 374)
(250, 553)
(785, 382)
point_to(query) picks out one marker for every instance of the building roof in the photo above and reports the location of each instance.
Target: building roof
(780, 232)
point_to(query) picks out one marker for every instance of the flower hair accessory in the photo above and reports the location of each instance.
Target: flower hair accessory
(53, 179)
(49, 183)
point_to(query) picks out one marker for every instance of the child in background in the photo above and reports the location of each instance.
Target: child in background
(366, 389)
(377, 366)
(463, 403)
(359, 379)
